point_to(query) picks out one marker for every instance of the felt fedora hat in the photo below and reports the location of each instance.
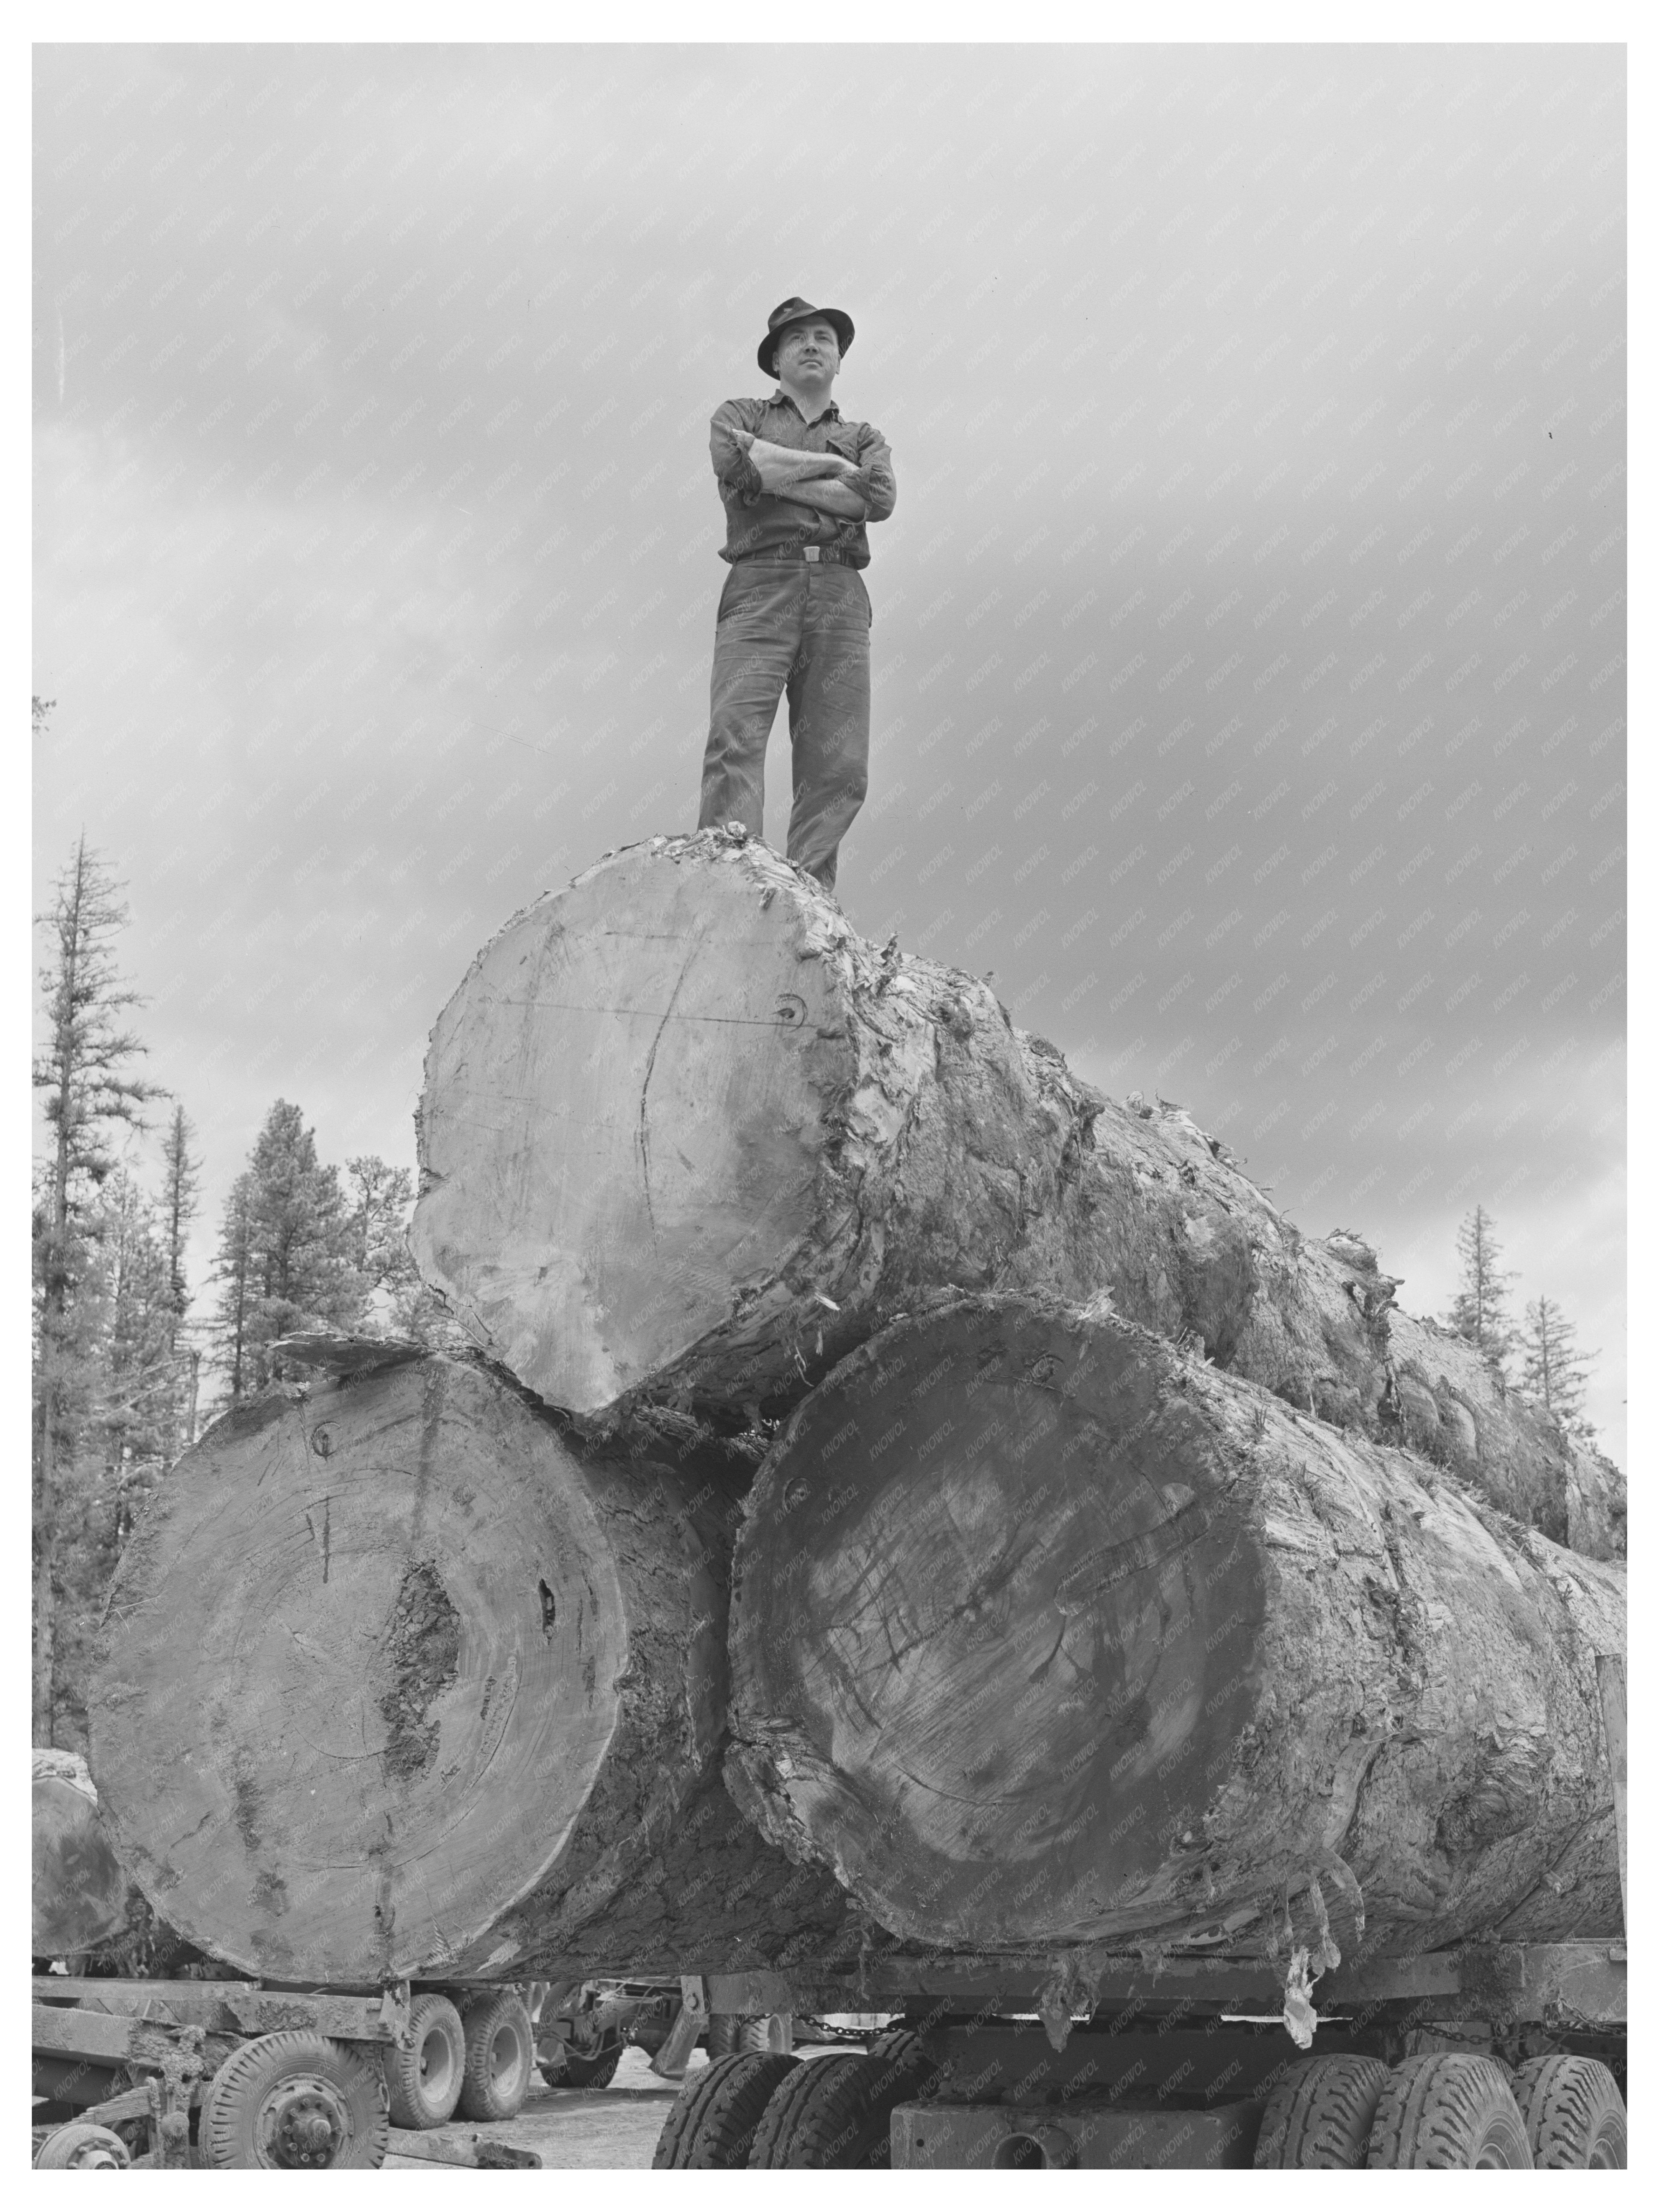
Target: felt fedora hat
(797, 310)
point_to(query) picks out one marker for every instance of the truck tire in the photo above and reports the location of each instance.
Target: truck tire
(501, 2050)
(894, 2039)
(729, 2032)
(1573, 2113)
(1321, 2113)
(82, 2147)
(295, 2101)
(1449, 2110)
(713, 2122)
(423, 2084)
(841, 2115)
(824, 2115)
(573, 2071)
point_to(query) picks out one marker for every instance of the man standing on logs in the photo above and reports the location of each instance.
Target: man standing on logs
(798, 485)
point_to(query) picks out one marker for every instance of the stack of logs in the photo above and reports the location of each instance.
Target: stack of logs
(1121, 1566)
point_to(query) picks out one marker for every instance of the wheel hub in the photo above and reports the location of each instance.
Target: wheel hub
(437, 2063)
(95, 2158)
(303, 2122)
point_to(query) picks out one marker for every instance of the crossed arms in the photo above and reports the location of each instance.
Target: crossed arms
(845, 490)
(824, 481)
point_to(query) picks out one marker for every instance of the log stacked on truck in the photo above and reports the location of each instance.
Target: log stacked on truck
(687, 1139)
(398, 1679)
(1150, 1631)
(79, 1894)
(1045, 1633)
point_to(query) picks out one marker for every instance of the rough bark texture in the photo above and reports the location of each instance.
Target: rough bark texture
(397, 1678)
(1046, 1632)
(79, 1894)
(686, 1137)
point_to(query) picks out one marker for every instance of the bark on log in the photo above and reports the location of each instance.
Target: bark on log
(396, 1678)
(1045, 1632)
(686, 1137)
(79, 1894)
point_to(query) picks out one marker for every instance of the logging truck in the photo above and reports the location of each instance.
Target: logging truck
(905, 1534)
(1195, 1553)
(1490, 2055)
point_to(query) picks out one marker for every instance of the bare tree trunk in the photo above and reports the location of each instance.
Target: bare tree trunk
(1044, 1632)
(685, 1138)
(54, 1306)
(44, 1532)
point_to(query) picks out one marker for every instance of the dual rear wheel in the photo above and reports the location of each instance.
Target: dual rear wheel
(730, 2031)
(767, 2109)
(424, 2082)
(476, 2061)
(500, 2052)
(1574, 2114)
(1449, 2110)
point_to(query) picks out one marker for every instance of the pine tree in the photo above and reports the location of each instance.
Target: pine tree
(398, 1300)
(128, 1389)
(1479, 1312)
(180, 1203)
(1554, 1370)
(382, 1197)
(285, 1252)
(137, 1407)
(84, 1070)
(233, 1270)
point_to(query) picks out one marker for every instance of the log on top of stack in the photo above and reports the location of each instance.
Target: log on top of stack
(1044, 1633)
(686, 1139)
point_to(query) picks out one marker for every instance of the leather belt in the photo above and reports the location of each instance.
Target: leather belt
(828, 554)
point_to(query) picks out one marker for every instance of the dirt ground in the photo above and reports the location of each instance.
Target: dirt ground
(602, 2129)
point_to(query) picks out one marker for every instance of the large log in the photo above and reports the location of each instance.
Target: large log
(398, 1679)
(79, 1895)
(1045, 1632)
(686, 1137)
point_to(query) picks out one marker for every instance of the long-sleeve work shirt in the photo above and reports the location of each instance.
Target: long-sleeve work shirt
(758, 521)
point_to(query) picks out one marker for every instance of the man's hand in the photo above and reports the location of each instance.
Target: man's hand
(829, 495)
(784, 469)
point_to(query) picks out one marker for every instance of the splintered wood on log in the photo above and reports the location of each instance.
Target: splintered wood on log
(686, 1137)
(1044, 1632)
(394, 1680)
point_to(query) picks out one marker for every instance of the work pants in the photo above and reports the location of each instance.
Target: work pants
(801, 629)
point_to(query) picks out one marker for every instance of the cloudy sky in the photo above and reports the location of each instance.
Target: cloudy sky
(1250, 637)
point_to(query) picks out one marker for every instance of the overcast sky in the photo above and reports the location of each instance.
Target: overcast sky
(1250, 637)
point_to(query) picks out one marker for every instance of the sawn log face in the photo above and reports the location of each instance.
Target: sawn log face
(1044, 1633)
(390, 1658)
(685, 1137)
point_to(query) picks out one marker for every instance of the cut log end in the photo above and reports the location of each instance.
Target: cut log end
(1014, 1668)
(1045, 1633)
(356, 1639)
(612, 1143)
